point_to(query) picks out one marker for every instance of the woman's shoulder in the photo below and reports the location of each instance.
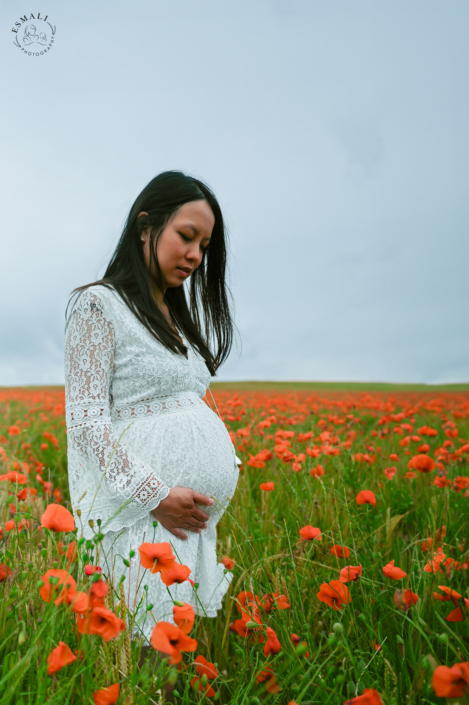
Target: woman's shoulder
(95, 297)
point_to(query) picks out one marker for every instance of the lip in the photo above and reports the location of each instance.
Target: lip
(182, 272)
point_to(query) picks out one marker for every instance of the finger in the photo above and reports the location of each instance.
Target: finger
(192, 526)
(199, 515)
(180, 534)
(202, 499)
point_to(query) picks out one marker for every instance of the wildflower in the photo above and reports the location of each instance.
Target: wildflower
(350, 573)
(393, 572)
(59, 657)
(22, 494)
(335, 594)
(171, 640)
(13, 476)
(274, 601)
(197, 684)
(405, 599)
(268, 675)
(455, 615)
(204, 667)
(366, 497)
(422, 463)
(297, 641)
(310, 533)
(14, 431)
(272, 645)
(369, 697)
(317, 471)
(156, 556)
(100, 621)
(57, 518)
(57, 590)
(92, 569)
(184, 616)
(451, 682)
(267, 486)
(4, 572)
(71, 551)
(229, 563)
(107, 696)
(394, 457)
(390, 472)
(340, 551)
(177, 573)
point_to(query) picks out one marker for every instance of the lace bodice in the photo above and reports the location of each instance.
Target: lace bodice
(116, 370)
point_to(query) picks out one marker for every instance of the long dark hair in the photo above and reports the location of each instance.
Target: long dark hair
(206, 321)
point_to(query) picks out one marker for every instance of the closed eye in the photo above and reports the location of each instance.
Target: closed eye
(188, 239)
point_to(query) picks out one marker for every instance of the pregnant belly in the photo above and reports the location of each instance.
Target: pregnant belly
(188, 448)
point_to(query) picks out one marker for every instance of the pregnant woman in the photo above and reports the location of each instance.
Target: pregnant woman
(138, 360)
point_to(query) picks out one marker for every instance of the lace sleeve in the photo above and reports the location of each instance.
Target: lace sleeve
(89, 358)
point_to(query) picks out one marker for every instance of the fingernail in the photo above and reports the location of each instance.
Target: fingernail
(210, 501)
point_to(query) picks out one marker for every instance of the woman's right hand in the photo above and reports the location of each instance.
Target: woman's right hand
(179, 511)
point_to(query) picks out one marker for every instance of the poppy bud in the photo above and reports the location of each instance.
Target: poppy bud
(91, 523)
(179, 603)
(78, 512)
(251, 624)
(173, 676)
(149, 607)
(22, 638)
(204, 679)
(337, 628)
(301, 649)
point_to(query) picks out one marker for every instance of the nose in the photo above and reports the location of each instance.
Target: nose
(194, 254)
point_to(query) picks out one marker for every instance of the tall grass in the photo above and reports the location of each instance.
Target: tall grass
(371, 643)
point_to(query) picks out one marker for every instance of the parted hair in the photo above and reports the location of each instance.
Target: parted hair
(205, 319)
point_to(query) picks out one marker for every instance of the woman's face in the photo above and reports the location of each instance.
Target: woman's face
(181, 244)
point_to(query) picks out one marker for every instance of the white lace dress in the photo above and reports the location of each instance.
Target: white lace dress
(119, 377)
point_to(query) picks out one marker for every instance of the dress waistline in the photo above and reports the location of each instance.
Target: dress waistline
(157, 405)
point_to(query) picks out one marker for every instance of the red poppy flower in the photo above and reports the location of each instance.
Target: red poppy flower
(309, 533)
(4, 572)
(100, 621)
(335, 594)
(184, 616)
(57, 591)
(229, 563)
(272, 645)
(22, 494)
(317, 471)
(156, 556)
(390, 472)
(350, 573)
(405, 599)
(59, 657)
(171, 640)
(451, 682)
(196, 684)
(14, 477)
(366, 497)
(204, 667)
(107, 696)
(177, 573)
(57, 518)
(369, 697)
(392, 571)
(267, 486)
(268, 675)
(340, 551)
(92, 569)
(71, 551)
(422, 463)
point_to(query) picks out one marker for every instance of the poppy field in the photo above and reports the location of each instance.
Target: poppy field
(347, 540)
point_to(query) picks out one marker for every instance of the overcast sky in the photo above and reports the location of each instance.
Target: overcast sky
(334, 134)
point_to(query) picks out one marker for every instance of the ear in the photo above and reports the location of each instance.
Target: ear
(142, 213)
